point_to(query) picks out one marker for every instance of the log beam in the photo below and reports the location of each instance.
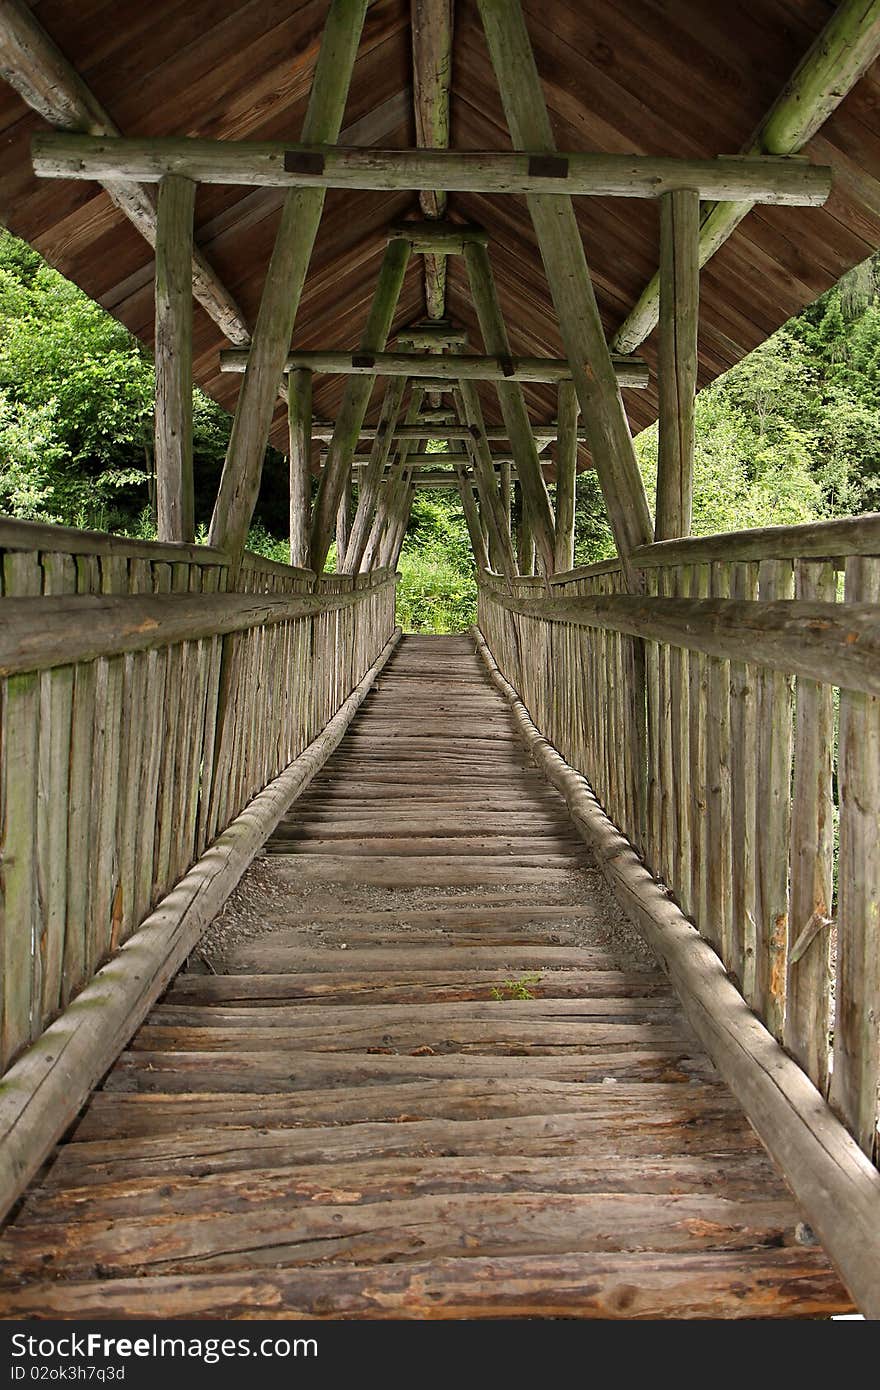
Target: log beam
(467, 403)
(368, 491)
(300, 216)
(677, 366)
(356, 398)
(432, 83)
(299, 416)
(512, 401)
(566, 474)
(175, 501)
(568, 275)
(440, 238)
(845, 49)
(542, 434)
(451, 367)
(388, 496)
(465, 486)
(789, 182)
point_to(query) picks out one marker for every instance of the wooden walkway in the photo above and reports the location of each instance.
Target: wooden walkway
(361, 1118)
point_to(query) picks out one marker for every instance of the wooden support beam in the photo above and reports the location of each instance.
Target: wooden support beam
(472, 518)
(845, 49)
(454, 366)
(37, 69)
(467, 403)
(173, 350)
(440, 238)
(368, 491)
(431, 24)
(512, 401)
(441, 335)
(299, 415)
(300, 216)
(343, 525)
(790, 182)
(356, 398)
(568, 275)
(388, 495)
(566, 475)
(677, 368)
(542, 434)
(525, 542)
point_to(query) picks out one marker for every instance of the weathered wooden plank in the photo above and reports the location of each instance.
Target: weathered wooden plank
(807, 1012)
(856, 1075)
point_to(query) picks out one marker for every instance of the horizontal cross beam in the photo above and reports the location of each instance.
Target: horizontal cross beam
(631, 371)
(759, 178)
(439, 238)
(542, 434)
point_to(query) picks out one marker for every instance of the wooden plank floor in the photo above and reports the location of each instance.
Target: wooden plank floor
(361, 1118)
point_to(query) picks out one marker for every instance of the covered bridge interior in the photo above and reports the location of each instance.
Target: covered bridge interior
(527, 231)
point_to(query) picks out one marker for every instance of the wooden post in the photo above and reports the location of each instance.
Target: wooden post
(506, 482)
(568, 275)
(432, 76)
(299, 412)
(385, 507)
(510, 396)
(467, 403)
(472, 519)
(343, 526)
(300, 216)
(566, 474)
(856, 1075)
(525, 541)
(355, 400)
(173, 349)
(368, 492)
(677, 371)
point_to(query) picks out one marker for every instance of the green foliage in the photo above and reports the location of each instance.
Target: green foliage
(436, 591)
(76, 410)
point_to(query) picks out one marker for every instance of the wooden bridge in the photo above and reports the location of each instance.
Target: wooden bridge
(565, 995)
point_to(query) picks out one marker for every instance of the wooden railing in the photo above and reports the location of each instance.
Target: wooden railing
(728, 721)
(143, 706)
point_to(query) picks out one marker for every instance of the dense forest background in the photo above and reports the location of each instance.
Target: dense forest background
(790, 434)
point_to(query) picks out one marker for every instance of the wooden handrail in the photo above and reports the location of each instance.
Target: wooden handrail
(43, 632)
(833, 539)
(833, 643)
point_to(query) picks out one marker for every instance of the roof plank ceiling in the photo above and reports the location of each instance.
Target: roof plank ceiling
(673, 77)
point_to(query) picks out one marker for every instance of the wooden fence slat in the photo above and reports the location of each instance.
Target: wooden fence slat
(56, 709)
(812, 850)
(856, 1074)
(22, 984)
(772, 831)
(717, 753)
(743, 791)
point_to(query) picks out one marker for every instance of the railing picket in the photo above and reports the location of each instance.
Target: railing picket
(856, 1076)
